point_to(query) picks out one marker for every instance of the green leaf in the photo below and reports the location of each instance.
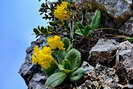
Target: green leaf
(55, 79)
(87, 30)
(66, 64)
(52, 23)
(74, 58)
(96, 20)
(78, 32)
(79, 25)
(62, 68)
(59, 55)
(43, 30)
(67, 43)
(36, 31)
(76, 75)
(79, 29)
(52, 69)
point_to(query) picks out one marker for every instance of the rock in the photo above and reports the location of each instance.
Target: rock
(84, 46)
(103, 52)
(127, 28)
(32, 74)
(106, 76)
(118, 8)
(37, 81)
(87, 67)
(125, 62)
(100, 76)
(115, 7)
(125, 51)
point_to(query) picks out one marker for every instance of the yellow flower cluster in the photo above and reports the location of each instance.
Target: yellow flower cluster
(55, 42)
(61, 12)
(42, 57)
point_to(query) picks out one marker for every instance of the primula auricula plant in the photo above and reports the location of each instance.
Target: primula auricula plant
(59, 60)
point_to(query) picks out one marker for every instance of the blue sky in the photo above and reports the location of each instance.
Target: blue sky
(17, 19)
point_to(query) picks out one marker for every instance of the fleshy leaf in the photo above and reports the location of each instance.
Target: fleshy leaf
(55, 79)
(76, 75)
(74, 58)
(59, 55)
(67, 43)
(51, 70)
(62, 68)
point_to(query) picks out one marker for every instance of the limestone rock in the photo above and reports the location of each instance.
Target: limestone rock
(125, 61)
(103, 52)
(32, 74)
(127, 28)
(100, 77)
(115, 7)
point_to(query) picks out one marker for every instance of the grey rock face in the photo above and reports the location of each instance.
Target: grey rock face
(32, 74)
(127, 28)
(106, 76)
(100, 76)
(125, 61)
(119, 77)
(122, 57)
(103, 52)
(87, 67)
(115, 7)
(37, 81)
(126, 52)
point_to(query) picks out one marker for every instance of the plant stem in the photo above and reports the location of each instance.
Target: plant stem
(72, 30)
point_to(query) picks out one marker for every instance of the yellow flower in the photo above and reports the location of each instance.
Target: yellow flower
(47, 50)
(61, 12)
(55, 42)
(34, 60)
(36, 50)
(42, 57)
(46, 61)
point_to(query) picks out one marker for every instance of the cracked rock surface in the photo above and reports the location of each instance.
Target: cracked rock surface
(115, 7)
(32, 74)
(103, 52)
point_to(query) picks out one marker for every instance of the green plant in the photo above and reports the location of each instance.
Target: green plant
(86, 30)
(55, 79)
(68, 64)
(43, 30)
